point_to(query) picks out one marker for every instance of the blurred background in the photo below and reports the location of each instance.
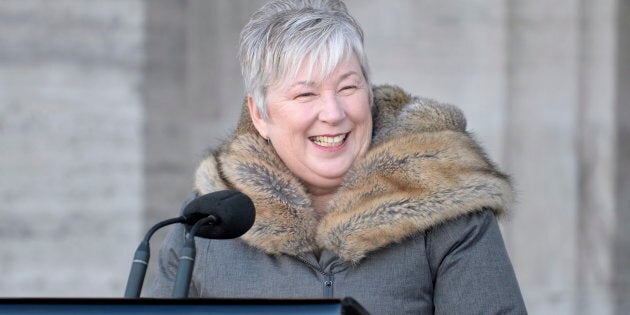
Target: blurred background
(106, 107)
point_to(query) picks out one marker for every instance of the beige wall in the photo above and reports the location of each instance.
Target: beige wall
(70, 145)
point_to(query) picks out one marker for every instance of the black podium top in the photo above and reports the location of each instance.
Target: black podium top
(102, 306)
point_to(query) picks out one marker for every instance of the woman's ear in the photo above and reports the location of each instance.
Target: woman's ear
(257, 119)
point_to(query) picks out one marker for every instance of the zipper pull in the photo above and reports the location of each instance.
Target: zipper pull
(329, 281)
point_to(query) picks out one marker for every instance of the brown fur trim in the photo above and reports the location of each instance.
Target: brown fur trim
(421, 170)
(405, 186)
(284, 216)
(207, 177)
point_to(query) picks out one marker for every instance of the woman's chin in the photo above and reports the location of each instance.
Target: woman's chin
(329, 180)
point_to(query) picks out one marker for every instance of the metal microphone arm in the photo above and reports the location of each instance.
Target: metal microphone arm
(141, 259)
(187, 259)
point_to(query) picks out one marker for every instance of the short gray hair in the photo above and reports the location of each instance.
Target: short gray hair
(283, 33)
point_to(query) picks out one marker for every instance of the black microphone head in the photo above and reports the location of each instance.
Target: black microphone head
(234, 211)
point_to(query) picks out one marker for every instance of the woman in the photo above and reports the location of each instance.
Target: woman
(360, 191)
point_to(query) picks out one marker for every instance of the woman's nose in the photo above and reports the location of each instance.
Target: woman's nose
(332, 110)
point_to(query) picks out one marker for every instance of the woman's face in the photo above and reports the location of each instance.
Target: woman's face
(319, 126)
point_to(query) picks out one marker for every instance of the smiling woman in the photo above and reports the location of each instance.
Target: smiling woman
(362, 191)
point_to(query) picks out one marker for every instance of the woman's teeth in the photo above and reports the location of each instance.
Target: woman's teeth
(329, 141)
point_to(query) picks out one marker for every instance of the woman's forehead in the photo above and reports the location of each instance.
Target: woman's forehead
(313, 73)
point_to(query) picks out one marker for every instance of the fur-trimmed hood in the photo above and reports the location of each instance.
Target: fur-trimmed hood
(421, 170)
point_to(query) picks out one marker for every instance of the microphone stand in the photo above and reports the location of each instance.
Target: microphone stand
(141, 259)
(187, 259)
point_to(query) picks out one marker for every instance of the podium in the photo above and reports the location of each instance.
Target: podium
(146, 306)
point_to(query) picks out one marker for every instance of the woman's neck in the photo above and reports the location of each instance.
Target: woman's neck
(320, 204)
(320, 200)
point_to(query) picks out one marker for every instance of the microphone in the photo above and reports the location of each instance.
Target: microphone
(233, 210)
(219, 215)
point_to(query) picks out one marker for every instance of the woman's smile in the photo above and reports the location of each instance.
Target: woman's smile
(328, 142)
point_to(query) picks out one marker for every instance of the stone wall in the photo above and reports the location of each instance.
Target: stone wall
(70, 145)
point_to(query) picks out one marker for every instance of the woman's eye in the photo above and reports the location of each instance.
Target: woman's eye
(348, 89)
(304, 95)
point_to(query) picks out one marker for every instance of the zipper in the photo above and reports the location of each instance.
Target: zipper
(329, 281)
(329, 278)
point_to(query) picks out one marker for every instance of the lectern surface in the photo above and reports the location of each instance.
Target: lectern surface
(95, 306)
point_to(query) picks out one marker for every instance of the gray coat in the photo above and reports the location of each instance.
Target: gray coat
(412, 230)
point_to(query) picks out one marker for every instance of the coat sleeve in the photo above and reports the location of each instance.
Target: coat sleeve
(472, 273)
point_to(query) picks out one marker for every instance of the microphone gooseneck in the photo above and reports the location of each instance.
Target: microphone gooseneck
(187, 258)
(141, 259)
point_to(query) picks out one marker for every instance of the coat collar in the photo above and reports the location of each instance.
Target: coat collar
(421, 170)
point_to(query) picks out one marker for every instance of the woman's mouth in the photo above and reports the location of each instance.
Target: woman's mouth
(329, 141)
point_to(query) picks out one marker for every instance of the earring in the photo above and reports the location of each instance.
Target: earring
(268, 141)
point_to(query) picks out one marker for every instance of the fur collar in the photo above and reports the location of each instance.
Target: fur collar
(421, 170)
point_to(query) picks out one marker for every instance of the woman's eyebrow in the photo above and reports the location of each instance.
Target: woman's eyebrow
(308, 83)
(347, 74)
(311, 83)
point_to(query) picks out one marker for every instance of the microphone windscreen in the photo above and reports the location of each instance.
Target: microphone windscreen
(234, 210)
